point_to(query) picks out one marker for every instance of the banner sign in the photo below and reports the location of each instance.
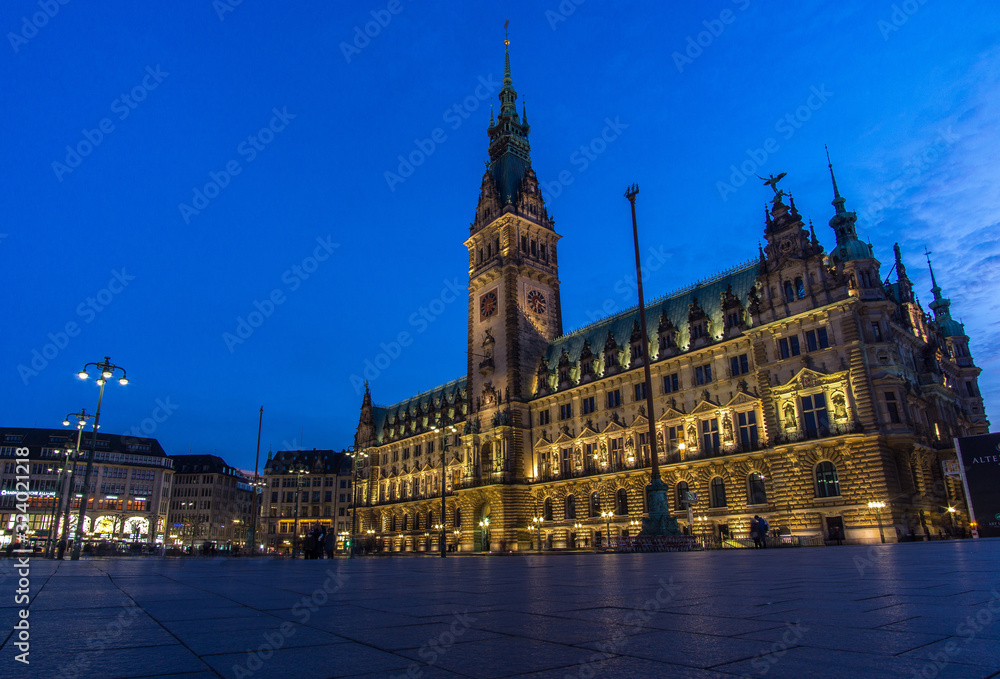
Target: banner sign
(980, 460)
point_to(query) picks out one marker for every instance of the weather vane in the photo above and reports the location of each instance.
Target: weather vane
(506, 39)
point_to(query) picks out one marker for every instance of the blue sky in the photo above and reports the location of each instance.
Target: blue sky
(231, 221)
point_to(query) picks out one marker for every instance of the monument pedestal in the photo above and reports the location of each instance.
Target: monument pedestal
(659, 522)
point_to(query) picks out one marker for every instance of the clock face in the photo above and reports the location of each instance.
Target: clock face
(488, 304)
(786, 245)
(536, 301)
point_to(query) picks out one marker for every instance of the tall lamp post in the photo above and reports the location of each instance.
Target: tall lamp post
(56, 503)
(107, 371)
(538, 524)
(356, 456)
(878, 507)
(64, 503)
(607, 514)
(659, 521)
(299, 471)
(444, 483)
(484, 528)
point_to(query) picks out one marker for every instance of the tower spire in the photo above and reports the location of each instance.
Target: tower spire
(838, 200)
(941, 306)
(935, 288)
(849, 246)
(510, 159)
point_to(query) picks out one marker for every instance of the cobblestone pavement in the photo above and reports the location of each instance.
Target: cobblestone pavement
(909, 610)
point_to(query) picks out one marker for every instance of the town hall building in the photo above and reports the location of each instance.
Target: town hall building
(800, 387)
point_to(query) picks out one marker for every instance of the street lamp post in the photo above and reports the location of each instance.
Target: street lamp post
(299, 472)
(484, 528)
(107, 370)
(878, 506)
(63, 502)
(355, 456)
(538, 524)
(607, 514)
(444, 482)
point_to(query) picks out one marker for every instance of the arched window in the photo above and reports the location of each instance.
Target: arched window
(547, 509)
(682, 491)
(621, 502)
(570, 507)
(406, 521)
(756, 493)
(458, 517)
(416, 521)
(595, 505)
(718, 487)
(789, 291)
(430, 519)
(827, 482)
(800, 288)
(392, 524)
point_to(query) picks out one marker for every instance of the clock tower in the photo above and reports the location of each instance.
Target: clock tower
(514, 307)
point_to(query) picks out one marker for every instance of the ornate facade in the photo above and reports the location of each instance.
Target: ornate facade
(799, 386)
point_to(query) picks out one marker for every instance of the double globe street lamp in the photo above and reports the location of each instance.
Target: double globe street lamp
(63, 503)
(107, 371)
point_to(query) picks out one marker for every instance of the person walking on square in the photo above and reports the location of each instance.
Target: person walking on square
(755, 532)
(762, 528)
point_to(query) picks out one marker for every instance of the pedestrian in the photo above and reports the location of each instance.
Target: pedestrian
(837, 534)
(321, 542)
(755, 532)
(762, 528)
(60, 549)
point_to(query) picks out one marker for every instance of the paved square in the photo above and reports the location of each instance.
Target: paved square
(909, 610)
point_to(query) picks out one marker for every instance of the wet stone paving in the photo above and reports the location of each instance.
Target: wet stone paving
(908, 610)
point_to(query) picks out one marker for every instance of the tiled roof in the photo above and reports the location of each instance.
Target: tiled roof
(326, 461)
(36, 439)
(204, 464)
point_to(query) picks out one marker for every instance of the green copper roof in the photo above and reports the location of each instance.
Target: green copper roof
(708, 292)
(508, 173)
(509, 148)
(448, 395)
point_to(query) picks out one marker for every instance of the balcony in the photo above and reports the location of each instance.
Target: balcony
(486, 366)
(819, 433)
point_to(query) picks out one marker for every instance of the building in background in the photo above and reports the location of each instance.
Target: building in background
(129, 484)
(211, 502)
(800, 386)
(305, 488)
